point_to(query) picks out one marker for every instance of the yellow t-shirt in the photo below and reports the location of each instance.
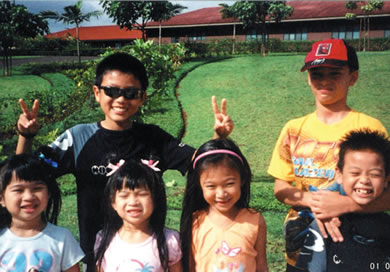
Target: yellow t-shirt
(225, 248)
(307, 150)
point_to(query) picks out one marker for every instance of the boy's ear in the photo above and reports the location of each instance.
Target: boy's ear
(354, 78)
(143, 97)
(96, 92)
(2, 201)
(387, 180)
(338, 176)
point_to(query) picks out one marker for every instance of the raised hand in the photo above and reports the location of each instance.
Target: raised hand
(28, 123)
(223, 125)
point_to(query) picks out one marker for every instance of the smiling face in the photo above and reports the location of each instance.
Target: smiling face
(363, 175)
(134, 206)
(118, 111)
(330, 84)
(221, 187)
(25, 201)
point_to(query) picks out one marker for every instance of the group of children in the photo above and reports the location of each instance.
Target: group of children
(118, 165)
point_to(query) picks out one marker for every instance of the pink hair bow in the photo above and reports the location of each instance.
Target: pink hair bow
(114, 167)
(152, 164)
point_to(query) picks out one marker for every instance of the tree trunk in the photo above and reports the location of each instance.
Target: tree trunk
(368, 33)
(360, 35)
(6, 70)
(159, 36)
(263, 38)
(78, 43)
(234, 37)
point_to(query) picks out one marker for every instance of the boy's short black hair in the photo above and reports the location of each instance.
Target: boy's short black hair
(365, 139)
(126, 64)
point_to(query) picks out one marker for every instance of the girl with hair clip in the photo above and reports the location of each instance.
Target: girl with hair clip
(30, 202)
(134, 237)
(219, 232)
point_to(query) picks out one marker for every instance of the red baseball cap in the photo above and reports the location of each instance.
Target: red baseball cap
(331, 53)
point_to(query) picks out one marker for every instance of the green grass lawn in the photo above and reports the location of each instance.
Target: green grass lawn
(263, 94)
(18, 85)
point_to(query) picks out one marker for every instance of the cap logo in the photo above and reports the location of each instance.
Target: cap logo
(323, 49)
(317, 62)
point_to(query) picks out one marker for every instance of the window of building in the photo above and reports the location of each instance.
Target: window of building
(175, 39)
(343, 32)
(299, 35)
(197, 37)
(251, 35)
(387, 33)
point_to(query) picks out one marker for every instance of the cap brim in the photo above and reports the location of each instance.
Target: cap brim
(325, 63)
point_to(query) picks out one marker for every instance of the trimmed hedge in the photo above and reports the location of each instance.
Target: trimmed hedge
(224, 47)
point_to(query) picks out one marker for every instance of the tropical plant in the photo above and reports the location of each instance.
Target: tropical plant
(16, 22)
(167, 11)
(368, 7)
(136, 14)
(72, 15)
(254, 14)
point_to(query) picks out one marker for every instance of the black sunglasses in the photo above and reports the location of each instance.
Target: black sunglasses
(128, 93)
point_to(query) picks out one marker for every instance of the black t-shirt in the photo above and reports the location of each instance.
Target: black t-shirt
(366, 245)
(85, 150)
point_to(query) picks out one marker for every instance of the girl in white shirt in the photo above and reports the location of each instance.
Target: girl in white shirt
(30, 202)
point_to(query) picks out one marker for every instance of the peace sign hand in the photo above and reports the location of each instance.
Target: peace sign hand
(223, 123)
(28, 121)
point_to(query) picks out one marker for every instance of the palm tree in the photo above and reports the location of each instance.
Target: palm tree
(165, 11)
(72, 15)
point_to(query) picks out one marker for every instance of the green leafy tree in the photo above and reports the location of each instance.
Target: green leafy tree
(167, 10)
(254, 14)
(15, 23)
(368, 7)
(136, 14)
(72, 15)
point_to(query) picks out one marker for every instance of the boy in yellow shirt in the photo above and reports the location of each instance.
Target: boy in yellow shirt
(306, 152)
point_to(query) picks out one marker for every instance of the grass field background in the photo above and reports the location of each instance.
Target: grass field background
(262, 94)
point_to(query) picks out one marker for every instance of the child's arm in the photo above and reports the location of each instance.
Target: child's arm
(329, 204)
(75, 268)
(223, 123)
(177, 267)
(260, 246)
(27, 127)
(289, 195)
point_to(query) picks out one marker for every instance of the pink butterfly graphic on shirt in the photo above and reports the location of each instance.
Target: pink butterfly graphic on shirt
(226, 250)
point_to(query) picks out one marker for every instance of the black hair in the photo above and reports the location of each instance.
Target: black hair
(353, 61)
(30, 168)
(365, 139)
(124, 63)
(193, 197)
(133, 175)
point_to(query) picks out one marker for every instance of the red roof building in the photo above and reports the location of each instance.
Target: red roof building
(111, 35)
(311, 20)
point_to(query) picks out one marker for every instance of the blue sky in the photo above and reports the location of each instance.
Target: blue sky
(35, 6)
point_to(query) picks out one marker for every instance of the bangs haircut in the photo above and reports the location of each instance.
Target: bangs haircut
(133, 174)
(214, 160)
(365, 139)
(194, 201)
(30, 168)
(124, 63)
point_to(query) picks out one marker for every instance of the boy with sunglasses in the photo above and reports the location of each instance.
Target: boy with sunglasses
(86, 149)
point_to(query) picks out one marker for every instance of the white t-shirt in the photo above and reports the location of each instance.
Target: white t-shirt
(124, 257)
(52, 250)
